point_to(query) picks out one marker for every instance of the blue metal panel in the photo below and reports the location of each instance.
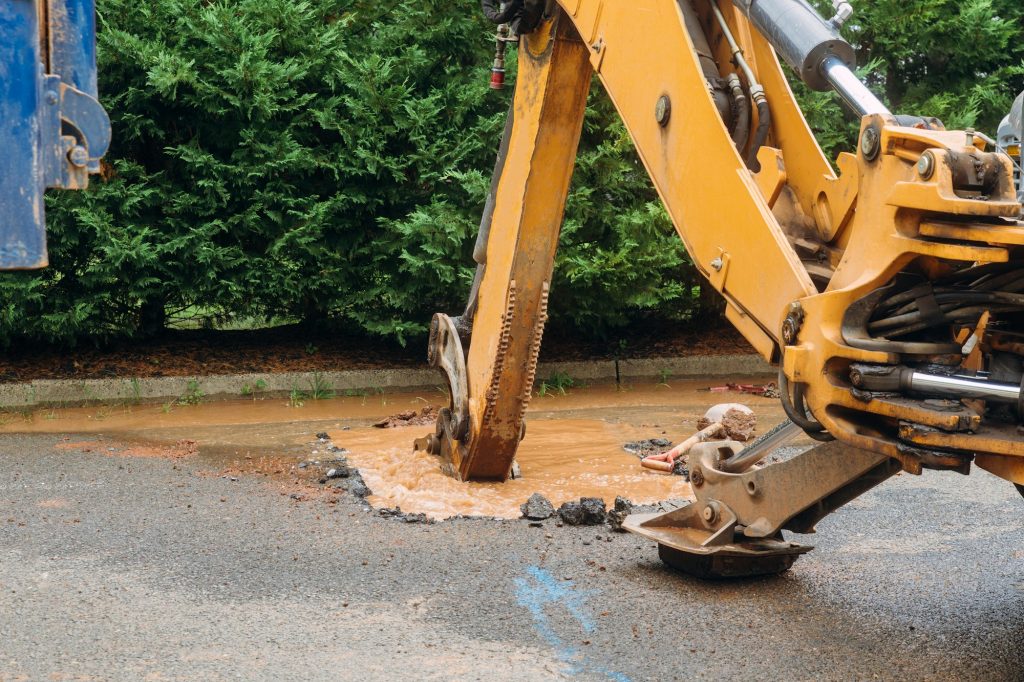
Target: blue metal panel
(73, 43)
(53, 132)
(22, 226)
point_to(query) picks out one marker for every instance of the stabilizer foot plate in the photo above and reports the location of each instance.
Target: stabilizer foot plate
(704, 554)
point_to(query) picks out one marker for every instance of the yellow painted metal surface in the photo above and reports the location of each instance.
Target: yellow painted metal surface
(1009, 468)
(869, 222)
(711, 196)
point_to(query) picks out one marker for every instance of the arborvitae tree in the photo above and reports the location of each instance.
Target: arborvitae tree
(308, 160)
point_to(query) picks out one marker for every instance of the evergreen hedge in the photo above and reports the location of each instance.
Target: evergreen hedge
(328, 160)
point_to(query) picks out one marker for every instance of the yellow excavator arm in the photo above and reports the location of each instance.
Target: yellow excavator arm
(890, 294)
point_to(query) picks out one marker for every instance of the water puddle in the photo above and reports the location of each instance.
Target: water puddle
(573, 446)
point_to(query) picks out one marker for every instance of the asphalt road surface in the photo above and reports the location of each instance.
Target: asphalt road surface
(117, 568)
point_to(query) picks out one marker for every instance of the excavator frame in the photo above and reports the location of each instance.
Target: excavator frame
(803, 256)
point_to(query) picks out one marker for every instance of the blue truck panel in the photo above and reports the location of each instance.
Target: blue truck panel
(53, 130)
(22, 222)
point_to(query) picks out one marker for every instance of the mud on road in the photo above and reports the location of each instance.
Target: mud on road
(121, 565)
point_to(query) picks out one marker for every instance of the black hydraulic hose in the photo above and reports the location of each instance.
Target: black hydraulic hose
(798, 402)
(961, 316)
(764, 124)
(812, 427)
(997, 282)
(947, 305)
(911, 313)
(495, 14)
(741, 113)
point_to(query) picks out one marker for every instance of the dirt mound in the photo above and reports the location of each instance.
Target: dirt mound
(738, 425)
(425, 417)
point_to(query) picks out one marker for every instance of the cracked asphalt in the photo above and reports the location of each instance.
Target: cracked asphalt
(116, 568)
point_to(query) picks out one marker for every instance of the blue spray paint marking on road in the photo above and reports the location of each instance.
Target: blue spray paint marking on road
(538, 590)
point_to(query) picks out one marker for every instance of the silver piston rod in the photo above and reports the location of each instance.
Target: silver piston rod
(814, 48)
(963, 387)
(906, 380)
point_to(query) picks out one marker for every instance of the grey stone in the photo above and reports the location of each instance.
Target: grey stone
(357, 486)
(589, 511)
(619, 512)
(537, 508)
(339, 471)
(646, 448)
(593, 511)
(571, 513)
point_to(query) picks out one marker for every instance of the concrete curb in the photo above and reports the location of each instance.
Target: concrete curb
(65, 392)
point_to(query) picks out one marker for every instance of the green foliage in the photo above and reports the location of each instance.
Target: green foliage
(962, 62)
(559, 383)
(193, 394)
(320, 388)
(619, 257)
(254, 389)
(276, 159)
(300, 160)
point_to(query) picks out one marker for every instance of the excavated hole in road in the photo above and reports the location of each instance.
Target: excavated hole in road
(573, 447)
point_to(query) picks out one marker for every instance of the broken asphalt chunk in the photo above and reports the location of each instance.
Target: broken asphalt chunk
(537, 508)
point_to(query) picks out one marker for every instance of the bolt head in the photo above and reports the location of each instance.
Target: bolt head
(51, 97)
(870, 143)
(926, 165)
(717, 264)
(697, 477)
(789, 332)
(663, 110)
(78, 156)
(709, 514)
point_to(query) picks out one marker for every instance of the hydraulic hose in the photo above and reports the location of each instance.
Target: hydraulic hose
(741, 112)
(764, 125)
(718, 88)
(756, 89)
(796, 410)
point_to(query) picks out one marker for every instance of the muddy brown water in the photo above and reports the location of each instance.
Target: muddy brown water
(573, 446)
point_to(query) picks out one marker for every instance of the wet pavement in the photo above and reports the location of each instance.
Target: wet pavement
(573, 446)
(126, 563)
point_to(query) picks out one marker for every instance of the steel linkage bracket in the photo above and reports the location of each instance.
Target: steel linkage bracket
(76, 135)
(734, 527)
